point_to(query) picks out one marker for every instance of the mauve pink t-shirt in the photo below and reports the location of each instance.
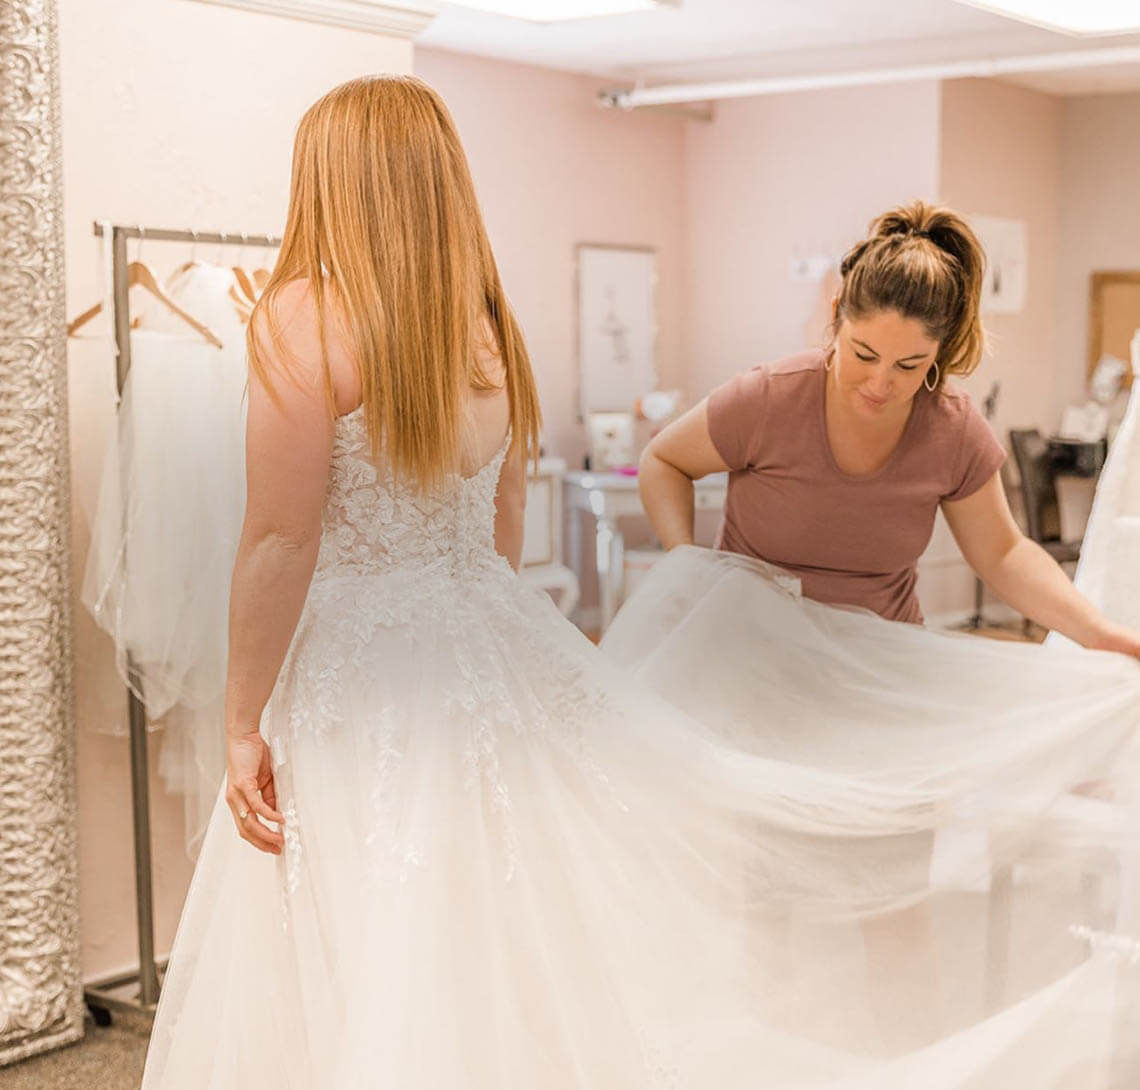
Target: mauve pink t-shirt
(851, 539)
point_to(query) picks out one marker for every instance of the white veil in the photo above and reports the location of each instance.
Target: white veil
(165, 528)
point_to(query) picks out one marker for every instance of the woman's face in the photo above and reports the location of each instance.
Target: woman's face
(880, 361)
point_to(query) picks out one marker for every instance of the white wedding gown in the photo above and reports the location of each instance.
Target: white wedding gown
(1108, 573)
(510, 866)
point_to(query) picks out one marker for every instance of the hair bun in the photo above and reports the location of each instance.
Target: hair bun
(915, 220)
(937, 281)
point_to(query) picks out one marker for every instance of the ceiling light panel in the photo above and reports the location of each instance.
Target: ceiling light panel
(1069, 16)
(553, 11)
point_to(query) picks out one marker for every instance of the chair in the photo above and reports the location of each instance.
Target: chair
(1039, 489)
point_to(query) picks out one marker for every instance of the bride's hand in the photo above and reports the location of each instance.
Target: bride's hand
(249, 789)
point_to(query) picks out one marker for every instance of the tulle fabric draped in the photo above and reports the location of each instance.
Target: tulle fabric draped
(164, 529)
(166, 522)
(752, 843)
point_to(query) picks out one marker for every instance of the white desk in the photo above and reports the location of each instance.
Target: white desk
(608, 497)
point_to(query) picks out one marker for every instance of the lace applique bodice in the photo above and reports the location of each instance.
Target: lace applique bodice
(374, 523)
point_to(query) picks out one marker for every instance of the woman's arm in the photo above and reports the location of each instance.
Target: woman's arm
(510, 507)
(287, 454)
(679, 454)
(1024, 575)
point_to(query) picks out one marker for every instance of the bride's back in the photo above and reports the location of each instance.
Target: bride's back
(485, 412)
(383, 217)
(377, 521)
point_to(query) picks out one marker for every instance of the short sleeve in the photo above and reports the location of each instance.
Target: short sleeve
(736, 412)
(980, 455)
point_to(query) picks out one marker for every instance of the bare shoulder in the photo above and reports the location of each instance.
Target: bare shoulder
(292, 310)
(296, 346)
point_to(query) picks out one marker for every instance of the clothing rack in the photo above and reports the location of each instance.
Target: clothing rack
(105, 995)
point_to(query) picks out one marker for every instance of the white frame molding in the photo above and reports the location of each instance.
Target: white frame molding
(403, 20)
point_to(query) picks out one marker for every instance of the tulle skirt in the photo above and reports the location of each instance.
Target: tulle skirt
(753, 843)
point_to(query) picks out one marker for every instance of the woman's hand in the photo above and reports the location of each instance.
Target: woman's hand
(250, 790)
(1116, 638)
(1024, 576)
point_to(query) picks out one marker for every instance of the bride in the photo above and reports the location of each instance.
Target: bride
(459, 846)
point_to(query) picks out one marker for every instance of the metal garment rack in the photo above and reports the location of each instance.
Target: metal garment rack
(106, 995)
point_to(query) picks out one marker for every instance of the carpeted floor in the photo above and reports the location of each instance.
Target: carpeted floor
(108, 1058)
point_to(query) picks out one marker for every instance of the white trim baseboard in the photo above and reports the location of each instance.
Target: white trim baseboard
(403, 20)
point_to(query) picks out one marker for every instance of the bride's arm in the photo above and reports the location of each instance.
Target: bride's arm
(288, 449)
(510, 508)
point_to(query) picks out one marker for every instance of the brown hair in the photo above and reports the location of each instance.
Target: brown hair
(383, 210)
(925, 263)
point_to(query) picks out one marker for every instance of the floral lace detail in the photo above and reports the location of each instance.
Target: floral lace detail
(423, 570)
(372, 522)
(289, 862)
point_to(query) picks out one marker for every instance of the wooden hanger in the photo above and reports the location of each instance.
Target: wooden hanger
(182, 270)
(242, 305)
(186, 266)
(139, 275)
(245, 284)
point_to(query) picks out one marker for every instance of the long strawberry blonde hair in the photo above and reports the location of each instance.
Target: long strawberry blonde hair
(384, 225)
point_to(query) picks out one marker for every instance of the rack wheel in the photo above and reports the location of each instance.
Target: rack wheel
(101, 1015)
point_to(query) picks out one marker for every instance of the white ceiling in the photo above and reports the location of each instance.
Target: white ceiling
(706, 40)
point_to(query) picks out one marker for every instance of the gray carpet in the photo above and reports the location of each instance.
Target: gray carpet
(107, 1058)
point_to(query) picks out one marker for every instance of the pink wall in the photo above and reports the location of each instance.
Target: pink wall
(790, 176)
(552, 169)
(1001, 156)
(1100, 218)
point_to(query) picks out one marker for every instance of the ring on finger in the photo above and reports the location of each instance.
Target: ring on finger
(243, 814)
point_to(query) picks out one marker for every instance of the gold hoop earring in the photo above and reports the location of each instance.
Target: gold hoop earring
(932, 386)
(827, 360)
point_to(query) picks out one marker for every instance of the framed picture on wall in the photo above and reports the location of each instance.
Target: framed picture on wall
(1005, 242)
(616, 326)
(1114, 317)
(611, 439)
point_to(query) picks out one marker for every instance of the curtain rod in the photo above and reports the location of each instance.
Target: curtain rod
(165, 234)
